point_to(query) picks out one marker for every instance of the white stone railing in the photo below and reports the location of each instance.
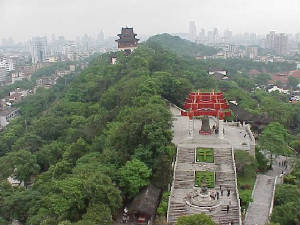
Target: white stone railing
(235, 124)
(236, 187)
(273, 195)
(173, 182)
(249, 132)
(252, 139)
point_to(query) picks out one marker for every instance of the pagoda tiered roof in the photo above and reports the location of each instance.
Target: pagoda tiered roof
(206, 104)
(127, 36)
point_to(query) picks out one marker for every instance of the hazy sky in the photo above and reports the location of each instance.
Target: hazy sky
(23, 19)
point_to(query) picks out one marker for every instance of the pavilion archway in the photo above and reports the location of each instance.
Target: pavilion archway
(206, 104)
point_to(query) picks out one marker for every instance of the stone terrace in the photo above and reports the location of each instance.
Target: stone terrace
(185, 165)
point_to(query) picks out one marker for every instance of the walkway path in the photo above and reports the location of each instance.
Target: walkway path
(259, 210)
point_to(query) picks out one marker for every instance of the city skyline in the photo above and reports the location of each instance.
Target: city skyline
(23, 20)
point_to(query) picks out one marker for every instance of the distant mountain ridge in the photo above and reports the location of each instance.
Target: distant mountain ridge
(181, 46)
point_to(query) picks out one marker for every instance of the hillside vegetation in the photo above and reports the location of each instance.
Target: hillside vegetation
(180, 46)
(85, 149)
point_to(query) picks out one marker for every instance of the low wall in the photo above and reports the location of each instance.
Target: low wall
(173, 181)
(273, 195)
(236, 186)
(252, 140)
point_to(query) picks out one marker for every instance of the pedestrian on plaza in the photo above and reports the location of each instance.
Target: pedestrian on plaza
(221, 192)
(218, 195)
(227, 209)
(220, 187)
(228, 193)
(245, 135)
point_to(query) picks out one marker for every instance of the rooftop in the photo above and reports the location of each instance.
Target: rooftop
(7, 111)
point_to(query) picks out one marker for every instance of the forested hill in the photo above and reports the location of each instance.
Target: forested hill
(181, 46)
(87, 148)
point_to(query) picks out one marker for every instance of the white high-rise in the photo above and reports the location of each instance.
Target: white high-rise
(38, 49)
(192, 31)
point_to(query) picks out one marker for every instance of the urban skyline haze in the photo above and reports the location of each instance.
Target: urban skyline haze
(22, 20)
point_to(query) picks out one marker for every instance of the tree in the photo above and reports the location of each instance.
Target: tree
(197, 219)
(292, 82)
(287, 214)
(22, 164)
(243, 161)
(274, 139)
(262, 79)
(134, 175)
(296, 145)
(98, 214)
(286, 193)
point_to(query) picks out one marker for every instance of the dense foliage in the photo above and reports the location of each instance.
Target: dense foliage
(246, 173)
(287, 199)
(84, 147)
(87, 146)
(182, 47)
(197, 219)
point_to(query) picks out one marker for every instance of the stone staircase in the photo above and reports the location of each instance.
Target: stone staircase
(224, 218)
(184, 180)
(183, 184)
(186, 155)
(176, 210)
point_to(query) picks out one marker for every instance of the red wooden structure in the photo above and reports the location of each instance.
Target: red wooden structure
(206, 104)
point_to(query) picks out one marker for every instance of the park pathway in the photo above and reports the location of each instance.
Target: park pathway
(258, 211)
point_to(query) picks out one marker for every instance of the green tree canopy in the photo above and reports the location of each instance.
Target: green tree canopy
(197, 219)
(134, 175)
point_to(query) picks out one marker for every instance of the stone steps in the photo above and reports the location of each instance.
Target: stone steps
(186, 155)
(184, 183)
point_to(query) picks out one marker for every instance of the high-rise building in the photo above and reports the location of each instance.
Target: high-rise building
(7, 63)
(38, 49)
(277, 42)
(270, 39)
(252, 52)
(192, 31)
(215, 35)
(227, 35)
(4, 76)
(70, 50)
(100, 36)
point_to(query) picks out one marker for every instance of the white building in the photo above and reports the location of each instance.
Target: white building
(38, 49)
(7, 115)
(275, 88)
(7, 63)
(4, 76)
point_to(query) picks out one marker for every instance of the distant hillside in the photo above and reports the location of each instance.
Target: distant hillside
(181, 46)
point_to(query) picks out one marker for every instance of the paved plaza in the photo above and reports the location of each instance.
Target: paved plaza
(224, 210)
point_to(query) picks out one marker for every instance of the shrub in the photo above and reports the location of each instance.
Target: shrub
(246, 187)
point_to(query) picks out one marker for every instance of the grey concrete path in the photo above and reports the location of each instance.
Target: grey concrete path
(258, 211)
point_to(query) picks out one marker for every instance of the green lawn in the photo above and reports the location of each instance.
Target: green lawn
(208, 176)
(205, 155)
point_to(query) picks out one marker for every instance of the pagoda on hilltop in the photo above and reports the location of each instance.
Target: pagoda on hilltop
(127, 41)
